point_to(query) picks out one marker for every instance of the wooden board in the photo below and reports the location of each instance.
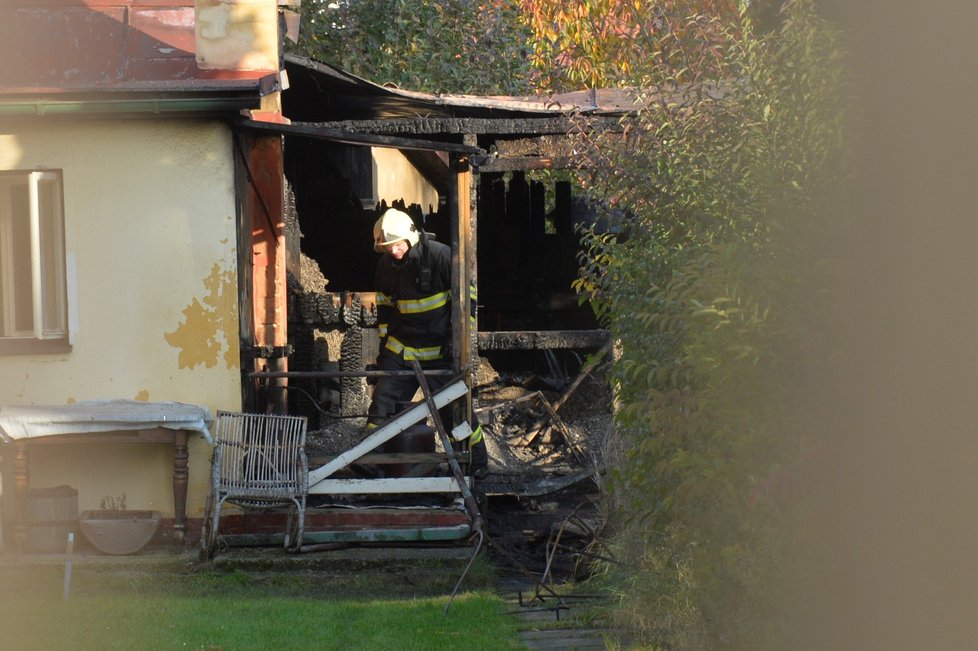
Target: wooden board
(542, 339)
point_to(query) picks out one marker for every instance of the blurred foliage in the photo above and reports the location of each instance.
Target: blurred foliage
(716, 291)
(455, 46)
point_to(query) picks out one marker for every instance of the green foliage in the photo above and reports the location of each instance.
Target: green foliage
(714, 293)
(603, 43)
(454, 46)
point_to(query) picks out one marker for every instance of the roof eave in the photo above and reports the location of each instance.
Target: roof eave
(43, 107)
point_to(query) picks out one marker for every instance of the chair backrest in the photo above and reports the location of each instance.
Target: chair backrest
(260, 456)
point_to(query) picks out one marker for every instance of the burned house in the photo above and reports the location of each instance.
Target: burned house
(533, 344)
(206, 246)
(520, 246)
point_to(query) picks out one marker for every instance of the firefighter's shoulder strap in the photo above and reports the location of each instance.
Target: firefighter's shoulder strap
(424, 256)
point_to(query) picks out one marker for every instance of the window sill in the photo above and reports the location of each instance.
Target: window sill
(34, 346)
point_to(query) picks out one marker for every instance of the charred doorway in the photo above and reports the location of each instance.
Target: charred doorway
(528, 255)
(332, 311)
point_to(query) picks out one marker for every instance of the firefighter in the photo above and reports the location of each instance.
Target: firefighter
(414, 318)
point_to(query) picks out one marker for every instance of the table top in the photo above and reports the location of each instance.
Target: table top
(34, 421)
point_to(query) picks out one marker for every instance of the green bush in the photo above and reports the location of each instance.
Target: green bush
(714, 291)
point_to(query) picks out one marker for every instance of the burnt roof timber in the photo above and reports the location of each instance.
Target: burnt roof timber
(526, 163)
(500, 127)
(542, 339)
(320, 92)
(309, 130)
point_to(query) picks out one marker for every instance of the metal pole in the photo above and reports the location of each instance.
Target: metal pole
(329, 374)
(470, 504)
(69, 553)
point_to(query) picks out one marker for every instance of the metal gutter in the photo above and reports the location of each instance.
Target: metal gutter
(42, 108)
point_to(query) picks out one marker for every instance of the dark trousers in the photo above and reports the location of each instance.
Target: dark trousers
(392, 395)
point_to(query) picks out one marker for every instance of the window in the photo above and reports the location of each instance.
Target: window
(33, 300)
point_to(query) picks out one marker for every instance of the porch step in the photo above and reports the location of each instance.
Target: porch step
(346, 561)
(342, 525)
(364, 535)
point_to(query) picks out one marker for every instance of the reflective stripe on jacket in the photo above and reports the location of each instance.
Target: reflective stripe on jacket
(412, 321)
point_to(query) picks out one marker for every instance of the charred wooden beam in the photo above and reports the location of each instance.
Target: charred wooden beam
(386, 458)
(541, 152)
(563, 145)
(478, 126)
(542, 339)
(526, 163)
(521, 485)
(351, 136)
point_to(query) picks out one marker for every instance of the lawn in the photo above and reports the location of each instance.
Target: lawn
(109, 608)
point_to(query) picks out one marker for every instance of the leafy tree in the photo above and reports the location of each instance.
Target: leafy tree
(455, 46)
(600, 43)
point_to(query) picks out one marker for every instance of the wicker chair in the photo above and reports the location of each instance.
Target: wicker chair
(259, 462)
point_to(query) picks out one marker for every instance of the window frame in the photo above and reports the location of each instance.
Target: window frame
(48, 296)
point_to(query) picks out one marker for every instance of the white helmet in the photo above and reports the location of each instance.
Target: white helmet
(394, 226)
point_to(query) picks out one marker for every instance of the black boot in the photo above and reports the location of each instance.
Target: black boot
(480, 460)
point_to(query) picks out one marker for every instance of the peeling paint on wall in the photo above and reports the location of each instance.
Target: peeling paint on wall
(209, 327)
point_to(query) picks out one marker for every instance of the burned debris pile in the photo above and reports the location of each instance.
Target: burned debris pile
(543, 401)
(546, 434)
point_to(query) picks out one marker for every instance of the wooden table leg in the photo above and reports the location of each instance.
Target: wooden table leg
(21, 483)
(180, 474)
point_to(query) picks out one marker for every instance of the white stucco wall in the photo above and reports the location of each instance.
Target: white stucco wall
(396, 178)
(150, 242)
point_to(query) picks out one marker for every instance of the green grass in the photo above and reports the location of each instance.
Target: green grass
(475, 621)
(238, 611)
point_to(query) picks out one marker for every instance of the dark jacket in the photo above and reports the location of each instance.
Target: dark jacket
(415, 322)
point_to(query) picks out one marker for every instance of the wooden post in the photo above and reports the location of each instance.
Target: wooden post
(180, 474)
(264, 208)
(461, 272)
(472, 266)
(466, 261)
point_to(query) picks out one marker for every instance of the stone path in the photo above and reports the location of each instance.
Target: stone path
(549, 623)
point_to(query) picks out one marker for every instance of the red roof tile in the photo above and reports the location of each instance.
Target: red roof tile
(104, 45)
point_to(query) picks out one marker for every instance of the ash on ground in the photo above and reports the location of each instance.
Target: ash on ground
(546, 436)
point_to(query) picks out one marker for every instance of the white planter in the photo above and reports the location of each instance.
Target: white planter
(119, 532)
